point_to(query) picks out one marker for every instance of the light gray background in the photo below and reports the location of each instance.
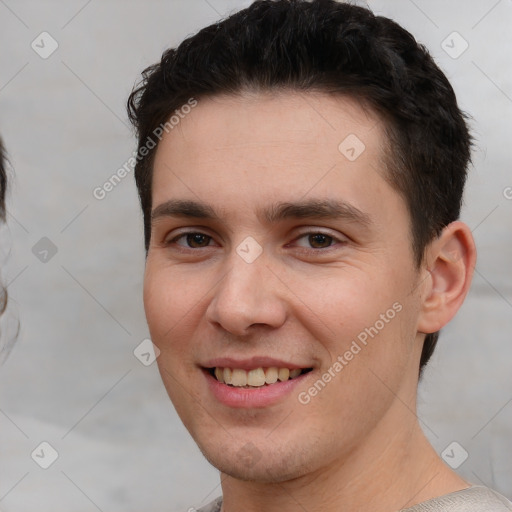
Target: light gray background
(72, 379)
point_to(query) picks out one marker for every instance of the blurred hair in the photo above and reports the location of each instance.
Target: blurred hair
(8, 326)
(3, 181)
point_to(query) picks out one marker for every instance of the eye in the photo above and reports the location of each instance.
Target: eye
(193, 240)
(318, 240)
(315, 240)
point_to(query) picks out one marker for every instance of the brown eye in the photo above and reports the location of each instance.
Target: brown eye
(320, 240)
(193, 240)
(317, 240)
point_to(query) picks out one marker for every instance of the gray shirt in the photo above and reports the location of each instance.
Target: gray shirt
(476, 498)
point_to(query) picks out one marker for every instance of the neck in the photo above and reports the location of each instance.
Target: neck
(391, 470)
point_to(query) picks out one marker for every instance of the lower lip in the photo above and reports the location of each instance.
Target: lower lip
(256, 397)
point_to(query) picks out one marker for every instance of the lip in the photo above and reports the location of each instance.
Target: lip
(251, 363)
(261, 397)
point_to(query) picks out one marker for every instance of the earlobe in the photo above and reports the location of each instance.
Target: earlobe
(451, 260)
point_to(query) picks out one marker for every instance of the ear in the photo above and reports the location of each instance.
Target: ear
(450, 259)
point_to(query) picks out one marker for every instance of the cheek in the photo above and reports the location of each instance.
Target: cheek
(170, 306)
(346, 301)
(170, 313)
(366, 318)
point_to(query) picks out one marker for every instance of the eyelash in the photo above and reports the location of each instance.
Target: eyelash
(302, 235)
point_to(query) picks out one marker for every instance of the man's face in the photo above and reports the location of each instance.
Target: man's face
(256, 284)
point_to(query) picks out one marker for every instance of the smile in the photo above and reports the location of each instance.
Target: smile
(255, 378)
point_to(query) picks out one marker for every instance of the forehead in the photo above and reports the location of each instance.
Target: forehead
(311, 121)
(274, 146)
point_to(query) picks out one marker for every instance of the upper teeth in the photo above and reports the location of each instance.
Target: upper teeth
(255, 378)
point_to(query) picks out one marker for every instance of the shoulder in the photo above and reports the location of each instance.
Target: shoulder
(213, 506)
(476, 498)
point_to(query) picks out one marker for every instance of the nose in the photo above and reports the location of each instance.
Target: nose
(248, 295)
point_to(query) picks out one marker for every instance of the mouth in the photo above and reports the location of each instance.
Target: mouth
(255, 378)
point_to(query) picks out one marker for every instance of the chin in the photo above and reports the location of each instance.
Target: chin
(249, 463)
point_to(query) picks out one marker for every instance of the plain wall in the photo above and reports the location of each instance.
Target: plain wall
(72, 379)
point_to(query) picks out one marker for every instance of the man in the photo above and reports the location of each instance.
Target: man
(300, 170)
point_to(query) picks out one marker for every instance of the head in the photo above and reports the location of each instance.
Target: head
(280, 103)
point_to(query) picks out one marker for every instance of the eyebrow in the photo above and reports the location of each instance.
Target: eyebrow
(309, 209)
